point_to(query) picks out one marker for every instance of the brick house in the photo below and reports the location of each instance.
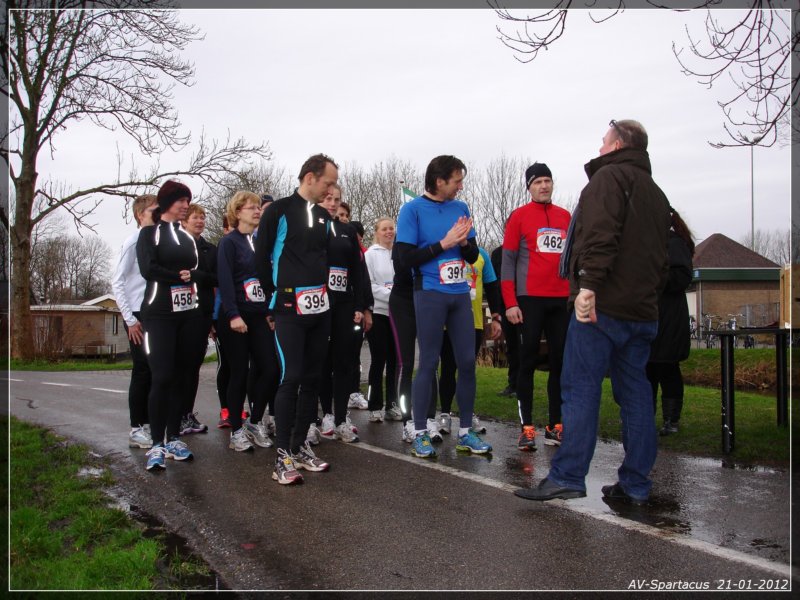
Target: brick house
(730, 279)
(94, 328)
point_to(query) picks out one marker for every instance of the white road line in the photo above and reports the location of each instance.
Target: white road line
(780, 569)
(10, 379)
(107, 390)
(58, 384)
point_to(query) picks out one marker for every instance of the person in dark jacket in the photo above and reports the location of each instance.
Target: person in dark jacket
(672, 341)
(616, 257)
(206, 279)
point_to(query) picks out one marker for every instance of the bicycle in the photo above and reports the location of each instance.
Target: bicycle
(708, 327)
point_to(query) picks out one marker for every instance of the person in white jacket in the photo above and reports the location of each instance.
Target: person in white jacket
(381, 339)
(128, 287)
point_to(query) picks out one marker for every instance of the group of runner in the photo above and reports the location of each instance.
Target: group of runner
(289, 294)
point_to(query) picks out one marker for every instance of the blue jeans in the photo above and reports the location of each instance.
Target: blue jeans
(620, 348)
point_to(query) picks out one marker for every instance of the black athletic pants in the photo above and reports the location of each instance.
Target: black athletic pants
(382, 355)
(549, 315)
(139, 389)
(337, 376)
(511, 335)
(172, 346)
(194, 375)
(668, 375)
(254, 352)
(302, 343)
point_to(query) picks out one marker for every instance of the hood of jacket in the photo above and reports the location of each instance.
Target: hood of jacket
(624, 156)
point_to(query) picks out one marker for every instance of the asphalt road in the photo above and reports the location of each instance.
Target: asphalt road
(381, 519)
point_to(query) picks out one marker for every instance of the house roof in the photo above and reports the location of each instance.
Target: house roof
(98, 300)
(71, 308)
(720, 252)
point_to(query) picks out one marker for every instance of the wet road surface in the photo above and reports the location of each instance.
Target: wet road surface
(381, 519)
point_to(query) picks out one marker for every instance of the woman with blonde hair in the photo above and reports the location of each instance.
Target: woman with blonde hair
(243, 326)
(381, 340)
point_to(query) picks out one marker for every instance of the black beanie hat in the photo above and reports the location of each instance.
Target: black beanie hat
(536, 170)
(170, 193)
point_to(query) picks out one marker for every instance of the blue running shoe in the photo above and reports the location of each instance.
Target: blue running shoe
(422, 446)
(472, 443)
(178, 450)
(155, 457)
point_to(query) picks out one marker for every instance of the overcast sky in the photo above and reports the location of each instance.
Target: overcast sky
(365, 85)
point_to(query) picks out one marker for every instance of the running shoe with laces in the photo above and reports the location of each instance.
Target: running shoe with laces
(257, 433)
(477, 426)
(357, 400)
(552, 437)
(433, 430)
(527, 439)
(312, 437)
(306, 459)
(269, 422)
(190, 424)
(178, 450)
(376, 416)
(239, 441)
(422, 446)
(328, 425)
(155, 457)
(394, 413)
(472, 443)
(139, 437)
(224, 418)
(408, 432)
(444, 422)
(344, 431)
(285, 470)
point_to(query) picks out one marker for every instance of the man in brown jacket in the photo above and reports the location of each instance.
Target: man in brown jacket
(617, 263)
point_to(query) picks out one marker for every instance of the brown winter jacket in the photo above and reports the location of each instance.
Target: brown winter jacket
(620, 238)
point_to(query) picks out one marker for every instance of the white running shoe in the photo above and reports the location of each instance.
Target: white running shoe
(433, 430)
(139, 437)
(408, 432)
(257, 433)
(477, 426)
(444, 422)
(376, 416)
(328, 425)
(344, 432)
(394, 413)
(313, 435)
(269, 423)
(239, 441)
(358, 401)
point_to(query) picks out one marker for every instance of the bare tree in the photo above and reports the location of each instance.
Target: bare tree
(775, 244)
(115, 68)
(261, 178)
(494, 192)
(753, 51)
(378, 192)
(66, 269)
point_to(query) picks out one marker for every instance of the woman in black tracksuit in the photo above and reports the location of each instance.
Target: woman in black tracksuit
(167, 257)
(206, 279)
(344, 289)
(242, 325)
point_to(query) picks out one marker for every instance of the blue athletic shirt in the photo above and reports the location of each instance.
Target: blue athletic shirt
(424, 222)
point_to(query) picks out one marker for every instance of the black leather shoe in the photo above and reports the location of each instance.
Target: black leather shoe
(547, 490)
(615, 492)
(508, 392)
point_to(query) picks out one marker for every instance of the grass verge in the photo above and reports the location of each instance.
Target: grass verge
(64, 535)
(758, 439)
(79, 364)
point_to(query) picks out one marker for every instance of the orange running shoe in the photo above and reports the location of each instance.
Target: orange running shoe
(527, 439)
(552, 437)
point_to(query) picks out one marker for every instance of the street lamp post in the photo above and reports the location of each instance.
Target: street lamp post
(752, 143)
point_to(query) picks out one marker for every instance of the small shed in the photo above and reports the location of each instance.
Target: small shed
(94, 328)
(730, 279)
